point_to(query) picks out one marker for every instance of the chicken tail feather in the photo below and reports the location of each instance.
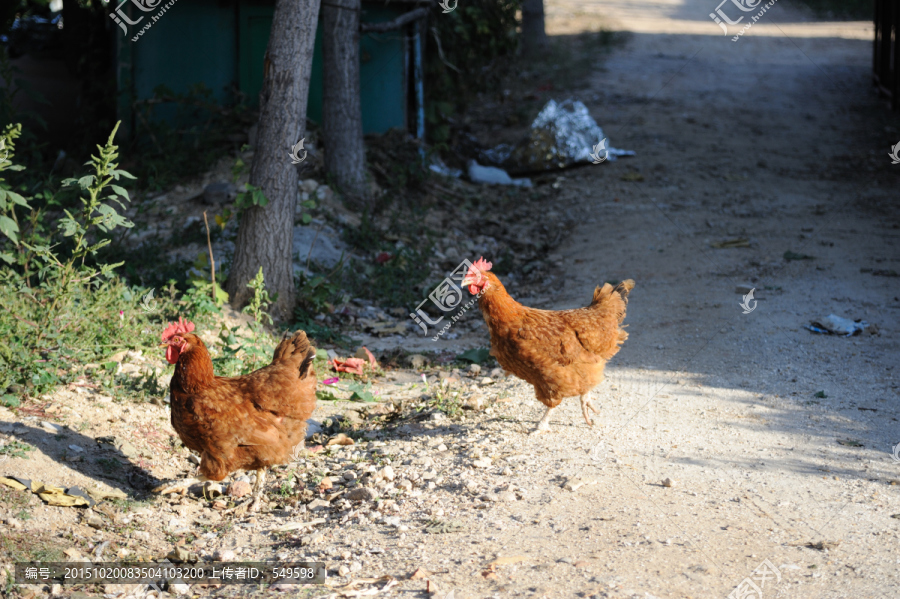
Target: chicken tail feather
(296, 349)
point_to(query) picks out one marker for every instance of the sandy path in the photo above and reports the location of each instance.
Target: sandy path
(735, 139)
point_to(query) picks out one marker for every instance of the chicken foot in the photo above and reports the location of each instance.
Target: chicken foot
(258, 488)
(544, 425)
(585, 404)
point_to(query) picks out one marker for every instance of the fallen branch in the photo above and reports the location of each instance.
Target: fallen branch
(409, 17)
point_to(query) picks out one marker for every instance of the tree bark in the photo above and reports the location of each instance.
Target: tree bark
(345, 155)
(265, 235)
(534, 38)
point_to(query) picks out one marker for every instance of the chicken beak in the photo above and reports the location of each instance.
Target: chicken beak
(468, 280)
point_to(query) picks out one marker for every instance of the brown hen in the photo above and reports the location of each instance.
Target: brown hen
(561, 353)
(248, 422)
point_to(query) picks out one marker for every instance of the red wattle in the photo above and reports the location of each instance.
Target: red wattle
(172, 353)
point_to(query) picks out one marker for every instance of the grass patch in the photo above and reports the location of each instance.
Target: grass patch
(31, 547)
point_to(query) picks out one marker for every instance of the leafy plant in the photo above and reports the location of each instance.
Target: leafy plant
(260, 302)
(251, 196)
(16, 449)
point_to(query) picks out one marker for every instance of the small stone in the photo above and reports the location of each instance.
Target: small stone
(141, 535)
(566, 560)
(496, 373)
(506, 471)
(392, 521)
(349, 475)
(194, 459)
(224, 555)
(482, 463)
(386, 473)
(420, 574)
(76, 448)
(93, 520)
(476, 401)
(179, 588)
(180, 554)
(355, 566)
(239, 488)
(309, 185)
(508, 496)
(576, 482)
(50, 427)
(487, 381)
(405, 485)
(343, 570)
(416, 361)
(668, 483)
(441, 447)
(474, 369)
(318, 504)
(360, 494)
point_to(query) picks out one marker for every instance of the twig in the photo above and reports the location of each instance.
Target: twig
(312, 245)
(212, 261)
(397, 23)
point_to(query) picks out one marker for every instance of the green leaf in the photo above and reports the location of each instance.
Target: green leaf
(9, 228)
(306, 218)
(7, 257)
(321, 354)
(121, 191)
(17, 198)
(86, 181)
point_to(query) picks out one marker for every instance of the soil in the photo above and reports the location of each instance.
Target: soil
(732, 447)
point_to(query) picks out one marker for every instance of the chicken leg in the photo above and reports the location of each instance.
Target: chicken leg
(255, 501)
(585, 404)
(544, 425)
(258, 488)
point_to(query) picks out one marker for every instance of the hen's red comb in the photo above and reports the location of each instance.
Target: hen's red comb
(481, 265)
(176, 328)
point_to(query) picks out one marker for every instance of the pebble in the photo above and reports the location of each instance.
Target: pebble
(508, 496)
(239, 488)
(392, 521)
(405, 485)
(482, 463)
(93, 520)
(417, 361)
(487, 381)
(506, 471)
(386, 473)
(668, 482)
(474, 369)
(50, 427)
(76, 448)
(348, 475)
(213, 489)
(224, 555)
(343, 570)
(318, 504)
(360, 494)
(179, 588)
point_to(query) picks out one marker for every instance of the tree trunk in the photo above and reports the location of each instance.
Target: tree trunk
(265, 235)
(345, 155)
(534, 39)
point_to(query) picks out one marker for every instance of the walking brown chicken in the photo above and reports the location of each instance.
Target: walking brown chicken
(561, 353)
(248, 422)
